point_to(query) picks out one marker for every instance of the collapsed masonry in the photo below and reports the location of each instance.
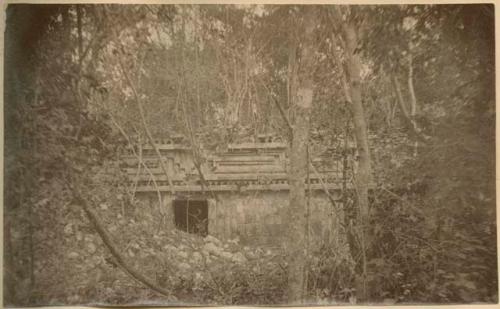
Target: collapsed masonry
(245, 192)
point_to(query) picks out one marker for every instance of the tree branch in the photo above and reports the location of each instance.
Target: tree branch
(323, 185)
(340, 66)
(108, 242)
(411, 122)
(411, 90)
(281, 110)
(145, 126)
(138, 156)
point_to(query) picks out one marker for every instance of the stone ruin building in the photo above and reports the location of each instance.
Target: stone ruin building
(245, 194)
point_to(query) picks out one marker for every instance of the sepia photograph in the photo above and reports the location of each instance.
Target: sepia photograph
(249, 154)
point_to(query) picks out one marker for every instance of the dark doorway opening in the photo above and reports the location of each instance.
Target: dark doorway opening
(191, 216)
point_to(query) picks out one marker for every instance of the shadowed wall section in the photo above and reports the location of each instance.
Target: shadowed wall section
(246, 192)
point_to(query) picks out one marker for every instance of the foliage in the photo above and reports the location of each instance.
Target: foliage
(432, 211)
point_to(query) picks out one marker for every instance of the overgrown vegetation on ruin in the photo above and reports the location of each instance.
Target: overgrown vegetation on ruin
(411, 86)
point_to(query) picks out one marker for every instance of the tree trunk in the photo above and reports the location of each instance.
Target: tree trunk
(298, 167)
(363, 174)
(146, 128)
(113, 249)
(411, 90)
(410, 119)
(413, 98)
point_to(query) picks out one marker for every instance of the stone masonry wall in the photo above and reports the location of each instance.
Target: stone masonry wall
(258, 217)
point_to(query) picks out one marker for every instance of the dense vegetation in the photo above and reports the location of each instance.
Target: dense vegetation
(412, 86)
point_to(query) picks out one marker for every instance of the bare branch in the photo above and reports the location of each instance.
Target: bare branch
(410, 120)
(145, 126)
(413, 98)
(109, 243)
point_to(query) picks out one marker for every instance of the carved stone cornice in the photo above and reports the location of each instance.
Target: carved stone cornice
(242, 167)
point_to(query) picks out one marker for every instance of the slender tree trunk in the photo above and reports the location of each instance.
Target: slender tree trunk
(410, 120)
(413, 97)
(183, 83)
(146, 128)
(363, 175)
(106, 238)
(79, 29)
(409, 112)
(411, 90)
(298, 166)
